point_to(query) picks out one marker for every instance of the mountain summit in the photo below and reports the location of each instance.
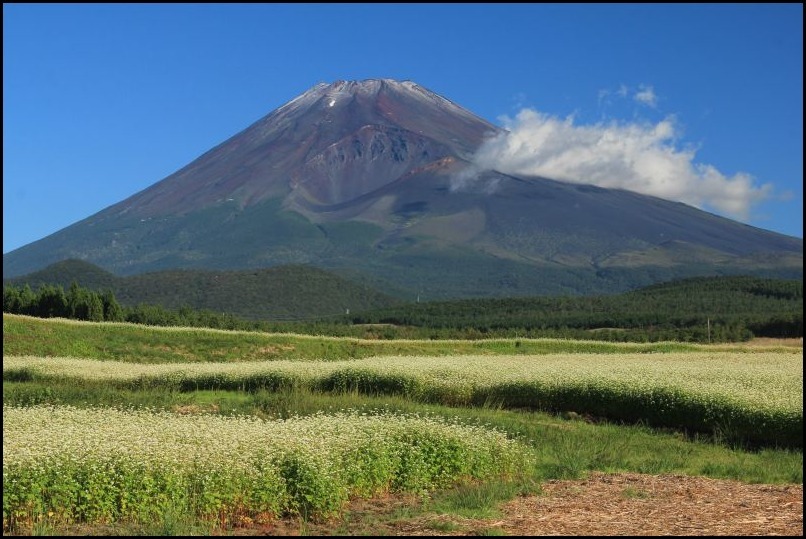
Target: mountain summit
(330, 145)
(374, 179)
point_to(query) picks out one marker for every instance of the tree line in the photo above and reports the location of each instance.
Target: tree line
(79, 303)
(696, 309)
(715, 309)
(51, 301)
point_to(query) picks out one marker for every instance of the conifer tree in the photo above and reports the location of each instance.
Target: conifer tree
(12, 303)
(51, 302)
(112, 310)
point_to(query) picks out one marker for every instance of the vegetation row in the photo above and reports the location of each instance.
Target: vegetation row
(108, 465)
(756, 399)
(25, 335)
(717, 309)
(703, 309)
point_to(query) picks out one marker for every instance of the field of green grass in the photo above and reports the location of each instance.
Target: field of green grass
(26, 335)
(172, 431)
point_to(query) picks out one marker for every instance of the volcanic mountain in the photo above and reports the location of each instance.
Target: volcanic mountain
(374, 180)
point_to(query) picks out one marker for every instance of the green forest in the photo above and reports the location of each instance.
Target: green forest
(707, 309)
(695, 309)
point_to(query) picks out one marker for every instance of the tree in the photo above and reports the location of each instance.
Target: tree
(27, 300)
(95, 307)
(74, 298)
(51, 302)
(12, 303)
(112, 310)
(83, 304)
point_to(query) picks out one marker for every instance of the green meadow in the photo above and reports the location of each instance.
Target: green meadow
(174, 431)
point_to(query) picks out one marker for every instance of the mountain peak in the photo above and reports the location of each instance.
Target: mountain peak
(389, 95)
(365, 86)
(332, 144)
(373, 86)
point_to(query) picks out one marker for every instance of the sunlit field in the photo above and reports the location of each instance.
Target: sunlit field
(106, 464)
(758, 397)
(88, 438)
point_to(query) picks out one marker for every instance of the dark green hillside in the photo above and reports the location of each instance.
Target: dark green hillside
(65, 272)
(702, 309)
(278, 293)
(727, 307)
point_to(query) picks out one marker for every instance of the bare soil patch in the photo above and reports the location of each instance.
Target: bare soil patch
(602, 504)
(635, 504)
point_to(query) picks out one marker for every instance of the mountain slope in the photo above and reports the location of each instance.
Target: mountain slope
(372, 179)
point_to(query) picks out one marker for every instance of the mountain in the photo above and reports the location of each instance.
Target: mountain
(373, 180)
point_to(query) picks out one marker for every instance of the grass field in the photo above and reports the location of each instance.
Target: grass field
(195, 430)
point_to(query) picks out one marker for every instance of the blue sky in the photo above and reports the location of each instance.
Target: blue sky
(102, 101)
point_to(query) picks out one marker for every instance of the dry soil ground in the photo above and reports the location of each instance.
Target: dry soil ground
(603, 504)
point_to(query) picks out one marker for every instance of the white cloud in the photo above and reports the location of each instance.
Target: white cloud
(640, 157)
(646, 96)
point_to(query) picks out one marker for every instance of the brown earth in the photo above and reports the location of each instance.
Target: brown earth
(602, 504)
(796, 342)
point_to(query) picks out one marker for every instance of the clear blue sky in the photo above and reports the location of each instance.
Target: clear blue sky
(102, 101)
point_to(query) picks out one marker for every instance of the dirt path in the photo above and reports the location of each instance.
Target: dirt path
(603, 504)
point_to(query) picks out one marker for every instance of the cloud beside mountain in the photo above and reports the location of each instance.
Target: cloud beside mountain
(640, 157)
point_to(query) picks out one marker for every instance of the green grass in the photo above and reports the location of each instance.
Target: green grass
(479, 501)
(634, 493)
(564, 446)
(24, 335)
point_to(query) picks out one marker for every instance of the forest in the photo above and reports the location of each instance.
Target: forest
(706, 309)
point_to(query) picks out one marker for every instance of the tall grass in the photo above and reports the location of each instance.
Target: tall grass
(754, 398)
(101, 465)
(565, 447)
